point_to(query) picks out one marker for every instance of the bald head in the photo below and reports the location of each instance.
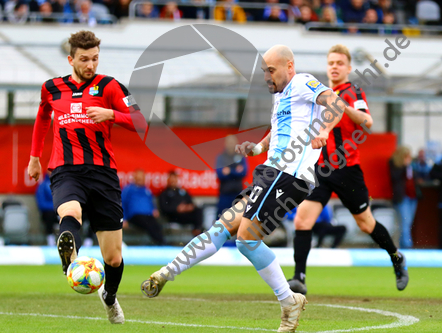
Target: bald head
(282, 52)
(278, 66)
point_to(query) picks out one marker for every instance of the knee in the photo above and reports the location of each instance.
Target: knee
(114, 261)
(303, 223)
(71, 212)
(245, 247)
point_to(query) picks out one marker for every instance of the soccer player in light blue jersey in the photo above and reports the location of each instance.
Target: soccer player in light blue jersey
(304, 112)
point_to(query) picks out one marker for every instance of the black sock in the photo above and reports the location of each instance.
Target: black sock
(113, 278)
(71, 224)
(302, 246)
(381, 236)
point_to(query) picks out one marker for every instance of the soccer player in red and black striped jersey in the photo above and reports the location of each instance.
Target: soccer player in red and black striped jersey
(84, 175)
(338, 171)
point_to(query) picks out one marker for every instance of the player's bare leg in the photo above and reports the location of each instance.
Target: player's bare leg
(201, 247)
(381, 236)
(110, 244)
(306, 216)
(265, 262)
(69, 240)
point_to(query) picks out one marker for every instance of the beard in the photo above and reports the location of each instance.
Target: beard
(81, 76)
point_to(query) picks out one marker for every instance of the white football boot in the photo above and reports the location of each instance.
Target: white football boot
(152, 287)
(114, 312)
(290, 314)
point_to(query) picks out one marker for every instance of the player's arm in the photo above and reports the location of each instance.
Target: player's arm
(334, 109)
(358, 116)
(41, 127)
(251, 149)
(125, 112)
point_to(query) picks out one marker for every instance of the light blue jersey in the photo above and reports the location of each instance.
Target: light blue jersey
(294, 110)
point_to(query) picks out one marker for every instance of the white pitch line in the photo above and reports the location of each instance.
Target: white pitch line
(403, 319)
(137, 321)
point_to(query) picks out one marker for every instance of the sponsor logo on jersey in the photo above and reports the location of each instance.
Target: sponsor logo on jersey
(314, 85)
(279, 193)
(93, 91)
(129, 100)
(76, 107)
(77, 94)
(283, 113)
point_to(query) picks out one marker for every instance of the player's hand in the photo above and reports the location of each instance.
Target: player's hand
(320, 141)
(34, 168)
(156, 213)
(245, 148)
(98, 115)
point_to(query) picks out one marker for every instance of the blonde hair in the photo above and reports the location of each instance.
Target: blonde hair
(341, 49)
(399, 156)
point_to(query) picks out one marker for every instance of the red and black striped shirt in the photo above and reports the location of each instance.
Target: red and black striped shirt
(77, 139)
(343, 131)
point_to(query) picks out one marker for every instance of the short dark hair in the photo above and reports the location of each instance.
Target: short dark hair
(83, 40)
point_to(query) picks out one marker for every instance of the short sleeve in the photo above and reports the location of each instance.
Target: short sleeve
(308, 87)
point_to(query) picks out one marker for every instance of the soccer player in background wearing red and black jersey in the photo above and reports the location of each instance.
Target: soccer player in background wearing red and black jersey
(338, 171)
(84, 176)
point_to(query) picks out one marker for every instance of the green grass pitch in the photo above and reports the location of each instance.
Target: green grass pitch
(223, 299)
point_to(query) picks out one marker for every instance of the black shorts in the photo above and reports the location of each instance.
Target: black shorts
(273, 194)
(348, 183)
(96, 188)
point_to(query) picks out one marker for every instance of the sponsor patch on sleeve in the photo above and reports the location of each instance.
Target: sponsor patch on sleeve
(129, 100)
(314, 85)
(360, 105)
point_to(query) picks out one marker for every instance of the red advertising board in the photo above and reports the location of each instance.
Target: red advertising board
(131, 153)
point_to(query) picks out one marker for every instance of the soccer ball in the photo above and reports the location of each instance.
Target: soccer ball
(85, 275)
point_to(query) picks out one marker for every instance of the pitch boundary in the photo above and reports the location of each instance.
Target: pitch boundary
(403, 320)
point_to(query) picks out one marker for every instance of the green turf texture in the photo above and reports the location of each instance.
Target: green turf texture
(219, 296)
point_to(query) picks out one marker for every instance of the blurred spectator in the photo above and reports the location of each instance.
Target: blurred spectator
(229, 11)
(170, 11)
(199, 12)
(147, 10)
(428, 12)
(177, 205)
(382, 7)
(306, 15)
(436, 173)
(273, 13)
(404, 193)
(328, 15)
(121, 8)
(388, 21)
(45, 11)
(34, 6)
(85, 14)
(354, 12)
(20, 13)
(231, 168)
(371, 17)
(294, 12)
(49, 217)
(139, 208)
(421, 167)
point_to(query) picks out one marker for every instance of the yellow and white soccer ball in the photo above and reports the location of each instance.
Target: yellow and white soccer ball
(85, 275)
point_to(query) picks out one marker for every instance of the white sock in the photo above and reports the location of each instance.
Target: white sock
(200, 248)
(275, 278)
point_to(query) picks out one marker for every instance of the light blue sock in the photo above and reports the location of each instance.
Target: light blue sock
(267, 265)
(200, 248)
